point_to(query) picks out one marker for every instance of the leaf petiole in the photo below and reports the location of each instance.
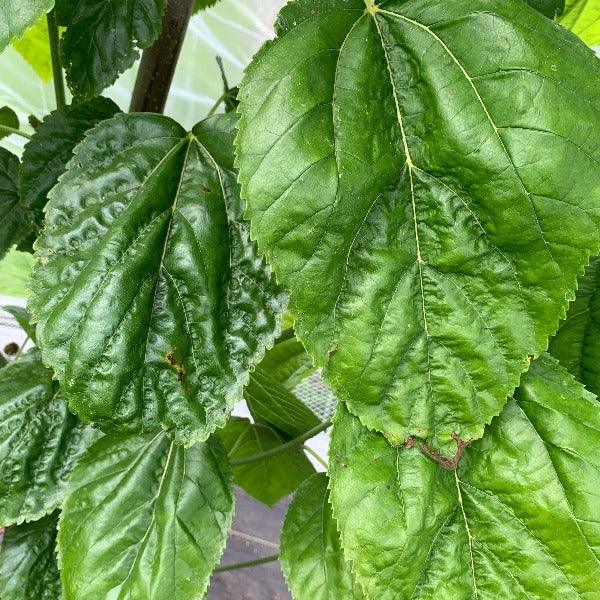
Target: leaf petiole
(249, 563)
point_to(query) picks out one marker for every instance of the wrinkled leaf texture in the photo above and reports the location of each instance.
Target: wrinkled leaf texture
(46, 155)
(13, 227)
(518, 519)
(28, 569)
(40, 441)
(414, 185)
(152, 303)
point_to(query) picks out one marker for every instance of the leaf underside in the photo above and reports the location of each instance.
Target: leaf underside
(28, 569)
(583, 18)
(40, 441)
(46, 156)
(150, 518)
(101, 39)
(311, 557)
(576, 344)
(270, 479)
(519, 519)
(426, 204)
(152, 303)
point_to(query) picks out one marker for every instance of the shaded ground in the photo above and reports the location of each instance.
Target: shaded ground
(255, 533)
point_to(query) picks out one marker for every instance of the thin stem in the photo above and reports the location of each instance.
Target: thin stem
(20, 351)
(249, 563)
(57, 72)
(315, 455)
(8, 129)
(216, 105)
(299, 441)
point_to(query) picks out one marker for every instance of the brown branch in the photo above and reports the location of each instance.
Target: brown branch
(158, 63)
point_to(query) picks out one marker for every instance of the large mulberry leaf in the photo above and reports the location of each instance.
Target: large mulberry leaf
(413, 182)
(152, 303)
(518, 519)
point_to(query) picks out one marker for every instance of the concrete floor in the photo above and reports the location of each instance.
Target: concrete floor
(255, 533)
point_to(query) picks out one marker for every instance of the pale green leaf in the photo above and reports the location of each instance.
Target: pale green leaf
(28, 569)
(288, 362)
(15, 271)
(153, 305)
(23, 318)
(40, 441)
(269, 402)
(17, 17)
(412, 183)
(101, 39)
(519, 519)
(46, 155)
(576, 344)
(268, 479)
(34, 47)
(583, 18)
(311, 556)
(145, 518)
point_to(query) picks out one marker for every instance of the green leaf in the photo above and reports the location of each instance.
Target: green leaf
(549, 8)
(15, 20)
(46, 156)
(288, 363)
(202, 4)
(583, 18)
(269, 479)
(153, 305)
(15, 271)
(28, 569)
(13, 227)
(414, 196)
(269, 402)
(518, 519)
(23, 318)
(311, 556)
(40, 441)
(34, 47)
(150, 518)
(8, 118)
(576, 344)
(101, 39)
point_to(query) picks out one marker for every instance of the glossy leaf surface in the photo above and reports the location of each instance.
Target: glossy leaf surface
(269, 402)
(576, 344)
(101, 39)
(28, 569)
(519, 518)
(426, 204)
(583, 18)
(17, 17)
(268, 479)
(311, 556)
(150, 518)
(12, 226)
(152, 303)
(46, 156)
(40, 441)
